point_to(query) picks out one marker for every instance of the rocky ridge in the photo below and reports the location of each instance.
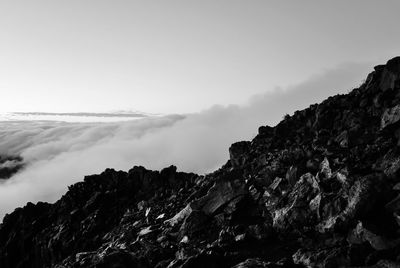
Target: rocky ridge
(320, 189)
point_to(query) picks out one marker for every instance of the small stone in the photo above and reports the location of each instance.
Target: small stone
(161, 216)
(254, 263)
(291, 175)
(275, 184)
(341, 177)
(141, 205)
(390, 117)
(162, 239)
(147, 212)
(396, 187)
(325, 169)
(240, 237)
(145, 231)
(184, 240)
(343, 139)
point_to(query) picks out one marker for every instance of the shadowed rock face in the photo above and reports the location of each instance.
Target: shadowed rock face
(9, 165)
(320, 189)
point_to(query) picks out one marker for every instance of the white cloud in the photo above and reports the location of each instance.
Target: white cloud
(59, 154)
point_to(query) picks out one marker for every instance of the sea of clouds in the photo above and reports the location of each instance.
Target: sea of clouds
(58, 154)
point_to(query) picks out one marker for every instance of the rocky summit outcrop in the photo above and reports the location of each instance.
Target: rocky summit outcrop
(320, 189)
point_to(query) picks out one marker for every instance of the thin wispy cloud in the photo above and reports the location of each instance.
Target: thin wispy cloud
(120, 114)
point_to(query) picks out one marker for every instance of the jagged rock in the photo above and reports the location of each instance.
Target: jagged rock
(343, 139)
(391, 164)
(391, 75)
(360, 235)
(297, 213)
(291, 175)
(239, 152)
(390, 117)
(195, 222)
(276, 183)
(385, 264)
(142, 205)
(265, 130)
(325, 257)
(219, 195)
(320, 189)
(359, 200)
(182, 215)
(325, 170)
(396, 187)
(258, 263)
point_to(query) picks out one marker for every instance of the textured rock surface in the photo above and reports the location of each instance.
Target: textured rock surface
(320, 189)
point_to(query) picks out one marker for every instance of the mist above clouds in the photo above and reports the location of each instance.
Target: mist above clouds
(59, 154)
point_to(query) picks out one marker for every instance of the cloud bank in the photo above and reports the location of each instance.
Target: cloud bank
(59, 154)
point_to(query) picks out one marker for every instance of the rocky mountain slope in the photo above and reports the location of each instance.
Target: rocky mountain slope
(320, 189)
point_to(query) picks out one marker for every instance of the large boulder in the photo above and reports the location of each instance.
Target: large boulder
(239, 153)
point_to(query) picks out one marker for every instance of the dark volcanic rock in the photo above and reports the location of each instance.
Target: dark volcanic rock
(320, 189)
(9, 165)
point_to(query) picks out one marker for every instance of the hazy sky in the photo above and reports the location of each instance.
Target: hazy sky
(179, 56)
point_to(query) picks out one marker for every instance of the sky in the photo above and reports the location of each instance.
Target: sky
(183, 56)
(87, 85)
